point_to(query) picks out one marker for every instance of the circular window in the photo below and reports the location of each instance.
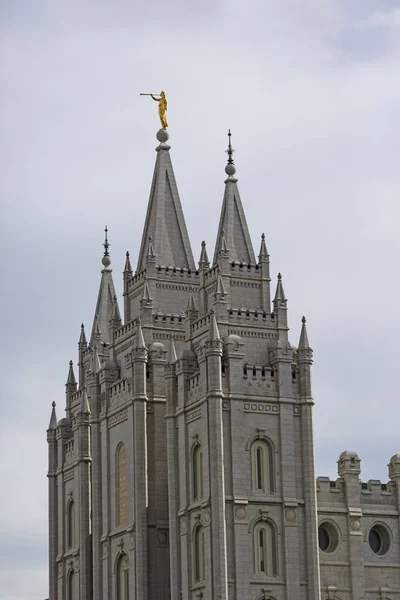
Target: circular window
(379, 540)
(328, 539)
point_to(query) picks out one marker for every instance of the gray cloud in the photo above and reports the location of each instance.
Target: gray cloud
(311, 92)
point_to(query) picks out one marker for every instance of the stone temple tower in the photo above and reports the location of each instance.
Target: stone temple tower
(184, 468)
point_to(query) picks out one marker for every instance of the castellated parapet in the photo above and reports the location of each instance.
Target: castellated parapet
(184, 467)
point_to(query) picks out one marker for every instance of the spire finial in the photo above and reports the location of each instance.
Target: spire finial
(230, 150)
(53, 404)
(106, 258)
(230, 168)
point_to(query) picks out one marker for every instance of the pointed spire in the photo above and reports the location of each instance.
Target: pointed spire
(139, 339)
(203, 262)
(150, 252)
(223, 248)
(263, 248)
(82, 337)
(191, 306)
(213, 333)
(84, 407)
(233, 221)
(171, 356)
(128, 266)
(280, 294)
(105, 299)
(165, 223)
(95, 362)
(220, 290)
(116, 315)
(71, 375)
(53, 417)
(303, 342)
(146, 298)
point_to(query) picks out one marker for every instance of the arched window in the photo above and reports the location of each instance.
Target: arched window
(197, 472)
(71, 586)
(123, 578)
(121, 486)
(71, 524)
(262, 467)
(265, 559)
(198, 554)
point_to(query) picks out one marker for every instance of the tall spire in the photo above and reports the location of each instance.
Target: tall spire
(165, 223)
(105, 298)
(233, 221)
(304, 344)
(53, 417)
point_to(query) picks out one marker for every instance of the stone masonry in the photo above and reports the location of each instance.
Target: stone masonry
(184, 468)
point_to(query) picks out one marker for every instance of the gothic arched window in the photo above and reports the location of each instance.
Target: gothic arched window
(197, 472)
(121, 486)
(265, 558)
(71, 586)
(198, 552)
(262, 467)
(71, 524)
(122, 578)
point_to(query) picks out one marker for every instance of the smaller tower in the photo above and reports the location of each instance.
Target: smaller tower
(82, 346)
(263, 261)
(70, 388)
(127, 277)
(84, 463)
(53, 512)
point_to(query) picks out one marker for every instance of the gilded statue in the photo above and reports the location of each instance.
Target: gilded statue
(162, 108)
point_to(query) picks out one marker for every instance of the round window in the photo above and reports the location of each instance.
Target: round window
(379, 540)
(328, 539)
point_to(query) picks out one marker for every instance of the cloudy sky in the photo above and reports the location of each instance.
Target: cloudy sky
(311, 91)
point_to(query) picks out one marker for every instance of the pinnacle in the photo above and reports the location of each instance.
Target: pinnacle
(220, 287)
(191, 306)
(85, 407)
(171, 356)
(116, 315)
(128, 266)
(53, 417)
(263, 248)
(203, 262)
(82, 338)
(139, 339)
(280, 294)
(304, 344)
(213, 333)
(71, 376)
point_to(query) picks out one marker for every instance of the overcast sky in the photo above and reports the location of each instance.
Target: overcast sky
(311, 92)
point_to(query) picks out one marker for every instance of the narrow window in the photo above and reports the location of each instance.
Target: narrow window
(199, 554)
(121, 486)
(197, 472)
(262, 467)
(70, 586)
(71, 525)
(123, 578)
(265, 562)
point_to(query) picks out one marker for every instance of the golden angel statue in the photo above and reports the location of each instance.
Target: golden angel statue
(162, 108)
